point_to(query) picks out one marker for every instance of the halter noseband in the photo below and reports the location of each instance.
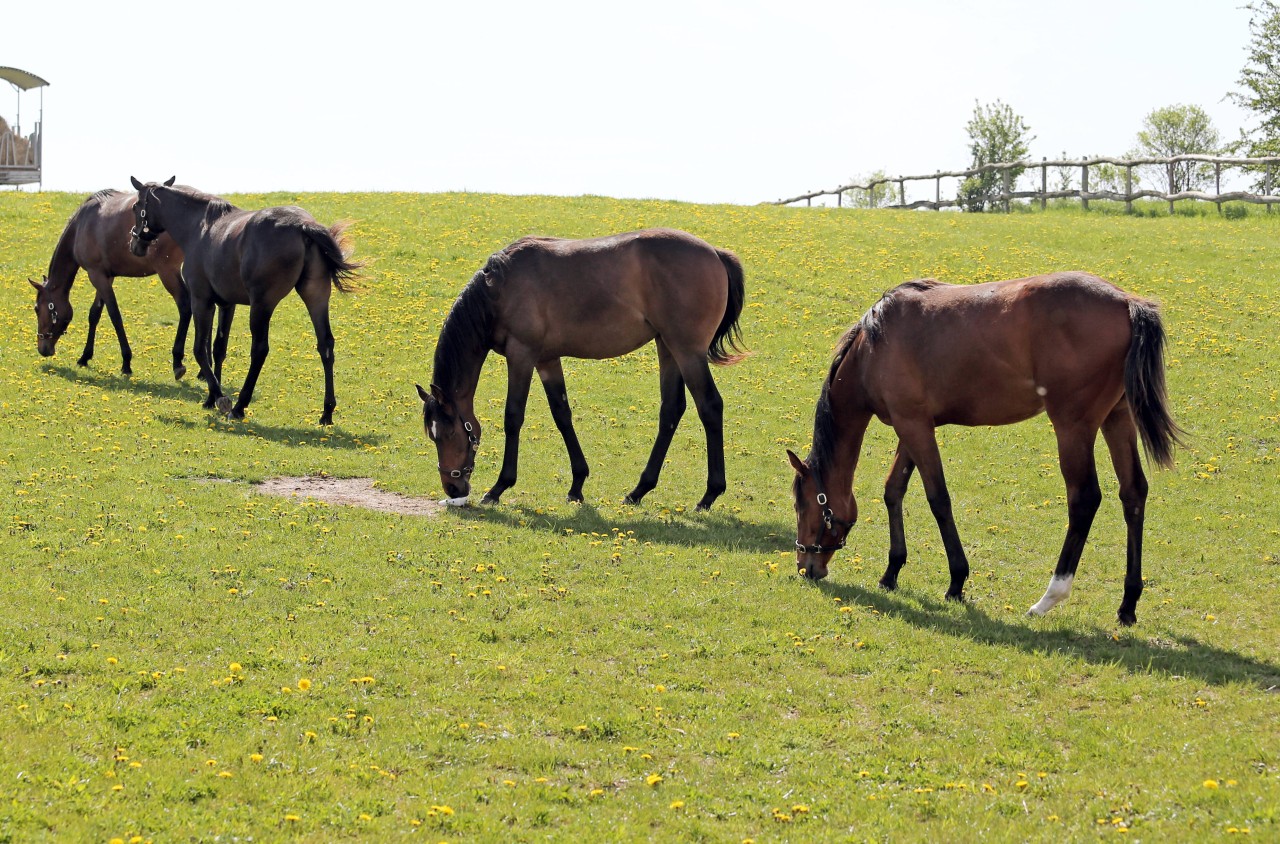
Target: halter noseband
(466, 471)
(53, 332)
(144, 234)
(829, 522)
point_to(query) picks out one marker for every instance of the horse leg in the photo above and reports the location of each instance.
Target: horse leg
(318, 307)
(226, 313)
(95, 314)
(259, 329)
(552, 375)
(202, 317)
(1075, 455)
(671, 387)
(895, 487)
(182, 299)
(1122, 441)
(922, 449)
(108, 297)
(706, 398)
(519, 377)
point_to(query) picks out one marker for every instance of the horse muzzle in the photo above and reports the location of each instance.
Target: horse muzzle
(810, 566)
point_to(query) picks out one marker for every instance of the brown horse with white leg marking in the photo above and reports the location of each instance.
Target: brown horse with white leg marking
(96, 238)
(253, 258)
(1071, 345)
(544, 298)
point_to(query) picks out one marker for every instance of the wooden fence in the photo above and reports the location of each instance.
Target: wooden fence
(1007, 193)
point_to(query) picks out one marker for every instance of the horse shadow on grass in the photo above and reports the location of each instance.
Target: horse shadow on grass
(1186, 657)
(317, 437)
(714, 529)
(195, 391)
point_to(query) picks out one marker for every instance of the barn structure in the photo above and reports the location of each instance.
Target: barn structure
(21, 156)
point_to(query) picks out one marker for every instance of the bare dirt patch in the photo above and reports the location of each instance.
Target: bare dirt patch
(352, 492)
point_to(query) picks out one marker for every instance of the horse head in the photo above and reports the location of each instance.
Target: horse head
(457, 438)
(820, 530)
(147, 221)
(53, 315)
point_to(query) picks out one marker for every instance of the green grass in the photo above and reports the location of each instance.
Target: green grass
(542, 671)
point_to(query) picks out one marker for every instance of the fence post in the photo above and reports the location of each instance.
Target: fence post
(1005, 189)
(1044, 183)
(902, 192)
(1171, 167)
(839, 199)
(1266, 186)
(1084, 185)
(937, 190)
(1217, 184)
(1128, 189)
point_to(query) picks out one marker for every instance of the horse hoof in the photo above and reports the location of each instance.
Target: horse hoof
(573, 499)
(958, 597)
(326, 419)
(235, 414)
(888, 585)
(632, 499)
(82, 362)
(1127, 619)
(179, 372)
(701, 508)
(488, 499)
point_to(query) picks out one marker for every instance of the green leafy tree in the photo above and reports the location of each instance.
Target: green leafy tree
(1178, 130)
(880, 196)
(996, 134)
(1260, 84)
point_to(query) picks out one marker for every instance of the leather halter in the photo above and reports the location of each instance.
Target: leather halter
(829, 523)
(464, 472)
(145, 233)
(53, 332)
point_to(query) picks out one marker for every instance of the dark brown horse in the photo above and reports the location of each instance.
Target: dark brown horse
(927, 354)
(96, 239)
(252, 258)
(544, 298)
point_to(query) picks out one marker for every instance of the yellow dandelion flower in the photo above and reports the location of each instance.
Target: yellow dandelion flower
(1210, 784)
(304, 684)
(676, 804)
(653, 779)
(291, 818)
(236, 668)
(255, 757)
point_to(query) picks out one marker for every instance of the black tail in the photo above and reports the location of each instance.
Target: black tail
(1144, 384)
(335, 246)
(726, 346)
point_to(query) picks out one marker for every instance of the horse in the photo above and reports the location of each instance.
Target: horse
(544, 298)
(1071, 345)
(96, 238)
(249, 258)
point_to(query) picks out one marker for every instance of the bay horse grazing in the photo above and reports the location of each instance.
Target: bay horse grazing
(96, 238)
(252, 258)
(927, 354)
(544, 298)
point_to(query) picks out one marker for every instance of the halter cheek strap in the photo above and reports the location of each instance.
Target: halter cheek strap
(829, 523)
(51, 333)
(466, 471)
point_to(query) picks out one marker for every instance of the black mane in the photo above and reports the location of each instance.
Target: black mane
(822, 452)
(872, 322)
(468, 329)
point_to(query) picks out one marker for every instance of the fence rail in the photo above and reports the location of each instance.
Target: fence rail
(1083, 193)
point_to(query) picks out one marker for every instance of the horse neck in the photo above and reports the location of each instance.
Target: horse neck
(62, 265)
(184, 215)
(459, 375)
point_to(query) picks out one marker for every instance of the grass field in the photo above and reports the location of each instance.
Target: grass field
(182, 658)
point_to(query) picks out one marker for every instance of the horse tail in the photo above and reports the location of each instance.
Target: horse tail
(335, 247)
(1144, 384)
(726, 346)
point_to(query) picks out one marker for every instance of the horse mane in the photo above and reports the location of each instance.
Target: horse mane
(822, 452)
(214, 206)
(872, 322)
(469, 325)
(102, 194)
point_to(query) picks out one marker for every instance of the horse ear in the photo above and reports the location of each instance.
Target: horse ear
(169, 183)
(422, 394)
(797, 464)
(136, 184)
(437, 393)
(37, 285)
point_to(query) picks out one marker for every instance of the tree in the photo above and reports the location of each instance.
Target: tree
(1178, 130)
(1260, 79)
(880, 196)
(996, 134)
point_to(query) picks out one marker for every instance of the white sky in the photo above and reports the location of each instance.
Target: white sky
(699, 100)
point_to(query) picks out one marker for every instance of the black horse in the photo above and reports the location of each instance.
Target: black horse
(543, 298)
(249, 258)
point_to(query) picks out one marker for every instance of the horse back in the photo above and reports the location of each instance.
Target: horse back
(999, 352)
(100, 230)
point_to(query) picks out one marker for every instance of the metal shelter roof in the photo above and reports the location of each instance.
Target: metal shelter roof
(24, 80)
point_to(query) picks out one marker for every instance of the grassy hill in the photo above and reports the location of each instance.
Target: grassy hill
(184, 658)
